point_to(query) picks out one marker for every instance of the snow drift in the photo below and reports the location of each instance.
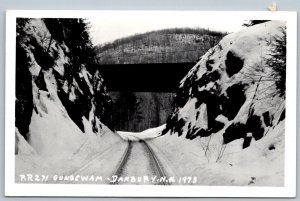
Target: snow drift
(144, 135)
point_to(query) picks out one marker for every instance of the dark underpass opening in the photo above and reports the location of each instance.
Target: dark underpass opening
(142, 94)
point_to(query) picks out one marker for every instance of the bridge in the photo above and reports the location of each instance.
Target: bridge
(154, 77)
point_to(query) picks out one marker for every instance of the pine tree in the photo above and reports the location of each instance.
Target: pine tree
(277, 61)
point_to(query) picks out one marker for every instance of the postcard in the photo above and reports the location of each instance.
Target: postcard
(150, 103)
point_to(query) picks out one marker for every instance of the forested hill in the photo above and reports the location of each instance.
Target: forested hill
(164, 46)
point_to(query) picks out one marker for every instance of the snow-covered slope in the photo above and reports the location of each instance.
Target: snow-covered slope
(61, 107)
(229, 114)
(144, 135)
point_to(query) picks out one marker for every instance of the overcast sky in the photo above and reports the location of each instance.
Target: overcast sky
(107, 27)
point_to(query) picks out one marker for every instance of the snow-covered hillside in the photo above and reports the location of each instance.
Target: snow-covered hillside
(227, 127)
(61, 103)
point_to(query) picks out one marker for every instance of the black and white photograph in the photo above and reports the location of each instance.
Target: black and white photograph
(144, 99)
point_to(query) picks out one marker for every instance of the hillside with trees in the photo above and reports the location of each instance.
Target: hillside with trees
(163, 46)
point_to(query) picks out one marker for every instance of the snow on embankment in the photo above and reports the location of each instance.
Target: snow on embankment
(60, 103)
(228, 124)
(144, 135)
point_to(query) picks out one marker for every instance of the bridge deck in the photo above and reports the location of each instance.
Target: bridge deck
(159, 77)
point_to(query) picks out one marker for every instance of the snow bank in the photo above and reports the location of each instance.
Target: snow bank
(261, 164)
(22, 147)
(65, 130)
(228, 124)
(144, 135)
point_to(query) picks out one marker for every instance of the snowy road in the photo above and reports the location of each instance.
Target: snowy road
(140, 166)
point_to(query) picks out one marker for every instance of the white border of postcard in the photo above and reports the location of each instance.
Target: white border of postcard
(14, 189)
